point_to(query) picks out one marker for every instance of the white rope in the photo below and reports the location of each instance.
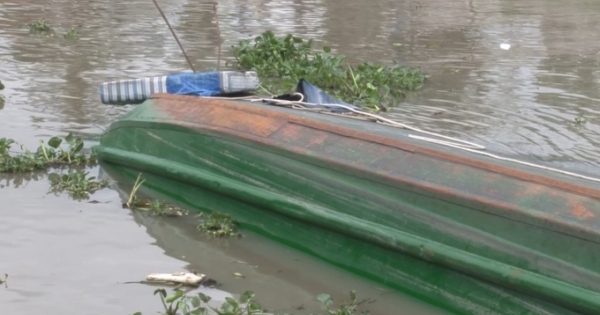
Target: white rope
(454, 142)
(506, 159)
(461, 143)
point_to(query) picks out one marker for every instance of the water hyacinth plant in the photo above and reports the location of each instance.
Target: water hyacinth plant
(50, 154)
(281, 62)
(41, 27)
(79, 185)
(179, 303)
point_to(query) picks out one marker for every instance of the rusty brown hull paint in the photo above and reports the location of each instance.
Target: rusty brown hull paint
(279, 129)
(190, 109)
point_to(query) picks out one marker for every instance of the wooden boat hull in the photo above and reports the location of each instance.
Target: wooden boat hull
(460, 231)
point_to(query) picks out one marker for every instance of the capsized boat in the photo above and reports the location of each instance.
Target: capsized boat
(437, 219)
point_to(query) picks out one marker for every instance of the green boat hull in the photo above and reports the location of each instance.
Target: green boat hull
(450, 230)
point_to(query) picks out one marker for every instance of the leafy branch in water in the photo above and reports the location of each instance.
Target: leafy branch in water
(281, 62)
(47, 155)
(180, 303)
(41, 27)
(77, 184)
(217, 224)
(153, 207)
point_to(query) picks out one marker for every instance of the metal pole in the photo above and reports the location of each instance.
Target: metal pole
(174, 35)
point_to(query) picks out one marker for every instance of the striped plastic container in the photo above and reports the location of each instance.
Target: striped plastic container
(135, 91)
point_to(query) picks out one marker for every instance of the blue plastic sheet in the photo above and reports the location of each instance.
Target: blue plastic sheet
(199, 83)
(209, 83)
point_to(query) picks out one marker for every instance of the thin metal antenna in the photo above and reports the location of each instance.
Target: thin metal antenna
(174, 35)
(218, 34)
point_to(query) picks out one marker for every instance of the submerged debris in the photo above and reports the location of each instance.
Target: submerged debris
(218, 224)
(281, 62)
(157, 208)
(153, 207)
(4, 281)
(1, 96)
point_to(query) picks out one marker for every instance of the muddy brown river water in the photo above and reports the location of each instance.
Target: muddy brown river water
(538, 100)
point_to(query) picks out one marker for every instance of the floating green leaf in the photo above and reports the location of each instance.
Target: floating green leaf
(175, 296)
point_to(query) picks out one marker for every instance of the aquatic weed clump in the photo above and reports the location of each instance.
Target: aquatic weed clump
(23, 162)
(217, 224)
(47, 155)
(179, 302)
(152, 207)
(41, 27)
(281, 62)
(77, 184)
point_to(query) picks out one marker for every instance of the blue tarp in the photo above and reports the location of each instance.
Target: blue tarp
(209, 83)
(199, 83)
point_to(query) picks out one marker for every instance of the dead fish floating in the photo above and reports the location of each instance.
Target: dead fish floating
(185, 278)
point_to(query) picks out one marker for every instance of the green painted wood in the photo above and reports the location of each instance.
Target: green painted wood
(434, 247)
